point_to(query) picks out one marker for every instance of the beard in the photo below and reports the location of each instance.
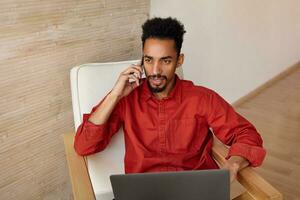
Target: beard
(157, 88)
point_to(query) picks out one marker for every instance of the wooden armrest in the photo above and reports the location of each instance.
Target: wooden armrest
(256, 186)
(80, 180)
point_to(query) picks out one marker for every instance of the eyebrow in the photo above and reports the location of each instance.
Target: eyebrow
(162, 58)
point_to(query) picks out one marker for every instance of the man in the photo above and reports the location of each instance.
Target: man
(166, 120)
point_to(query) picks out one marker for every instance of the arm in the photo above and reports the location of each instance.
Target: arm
(234, 130)
(92, 137)
(121, 89)
(97, 128)
(256, 186)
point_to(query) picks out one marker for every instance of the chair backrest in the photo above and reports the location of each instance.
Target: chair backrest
(89, 84)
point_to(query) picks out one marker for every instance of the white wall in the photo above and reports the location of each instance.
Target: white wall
(234, 46)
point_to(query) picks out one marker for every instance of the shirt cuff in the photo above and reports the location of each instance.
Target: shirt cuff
(254, 154)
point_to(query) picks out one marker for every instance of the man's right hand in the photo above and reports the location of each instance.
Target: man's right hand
(123, 87)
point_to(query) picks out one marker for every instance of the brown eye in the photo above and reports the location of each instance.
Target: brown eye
(167, 61)
(147, 60)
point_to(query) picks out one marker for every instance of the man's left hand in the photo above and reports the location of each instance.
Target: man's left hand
(234, 164)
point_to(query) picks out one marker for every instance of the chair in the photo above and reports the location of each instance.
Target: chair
(90, 175)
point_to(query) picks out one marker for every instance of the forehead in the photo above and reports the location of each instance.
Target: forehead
(159, 47)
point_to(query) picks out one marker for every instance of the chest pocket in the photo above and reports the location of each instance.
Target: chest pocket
(183, 135)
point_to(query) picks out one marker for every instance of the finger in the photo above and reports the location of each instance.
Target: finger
(127, 78)
(135, 66)
(133, 85)
(138, 67)
(233, 176)
(133, 78)
(141, 70)
(132, 70)
(130, 75)
(138, 75)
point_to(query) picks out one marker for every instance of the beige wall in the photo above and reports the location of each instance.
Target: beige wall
(39, 43)
(234, 46)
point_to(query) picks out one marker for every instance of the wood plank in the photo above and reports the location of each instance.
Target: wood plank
(244, 196)
(81, 183)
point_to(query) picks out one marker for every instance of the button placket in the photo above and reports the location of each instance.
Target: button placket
(162, 126)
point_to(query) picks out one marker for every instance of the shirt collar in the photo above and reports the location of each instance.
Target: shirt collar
(175, 93)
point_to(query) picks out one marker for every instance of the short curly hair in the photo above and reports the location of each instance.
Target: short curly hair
(164, 28)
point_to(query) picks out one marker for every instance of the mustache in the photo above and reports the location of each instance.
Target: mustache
(157, 76)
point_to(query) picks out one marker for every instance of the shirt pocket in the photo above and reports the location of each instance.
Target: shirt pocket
(183, 134)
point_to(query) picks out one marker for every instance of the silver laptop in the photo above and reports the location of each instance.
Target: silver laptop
(183, 185)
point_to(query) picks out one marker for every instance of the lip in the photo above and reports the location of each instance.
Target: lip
(156, 81)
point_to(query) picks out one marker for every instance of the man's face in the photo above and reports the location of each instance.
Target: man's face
(160, 62)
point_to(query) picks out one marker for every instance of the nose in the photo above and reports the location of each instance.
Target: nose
(156, 68)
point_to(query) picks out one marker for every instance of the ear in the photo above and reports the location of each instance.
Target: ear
(180, 60)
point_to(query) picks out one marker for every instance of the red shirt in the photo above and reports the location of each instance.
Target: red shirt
(173, 133)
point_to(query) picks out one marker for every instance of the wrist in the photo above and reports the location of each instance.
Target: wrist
(114, 96)
(238, 162)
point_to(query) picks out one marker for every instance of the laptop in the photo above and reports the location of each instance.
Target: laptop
(182, 185)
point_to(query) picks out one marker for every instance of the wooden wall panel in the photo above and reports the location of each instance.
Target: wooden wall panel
(40, 41)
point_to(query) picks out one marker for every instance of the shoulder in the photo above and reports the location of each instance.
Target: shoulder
(189, 88)
(201, 95)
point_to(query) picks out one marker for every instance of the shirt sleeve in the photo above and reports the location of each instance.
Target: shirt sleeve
(234, 130)
(91, 138)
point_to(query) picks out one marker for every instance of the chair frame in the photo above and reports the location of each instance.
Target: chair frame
(257, 188)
